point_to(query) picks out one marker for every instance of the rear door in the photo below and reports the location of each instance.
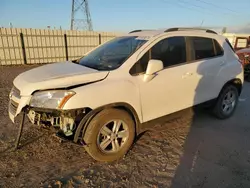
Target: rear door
(206, 58)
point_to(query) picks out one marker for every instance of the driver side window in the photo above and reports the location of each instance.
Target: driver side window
(171, 51)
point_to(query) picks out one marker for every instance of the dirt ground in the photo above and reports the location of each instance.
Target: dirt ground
(192, 151)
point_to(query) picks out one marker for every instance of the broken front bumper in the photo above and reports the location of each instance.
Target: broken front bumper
(16, 103)
(65, 120)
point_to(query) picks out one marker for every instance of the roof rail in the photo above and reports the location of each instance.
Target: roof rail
(139, 30)
(190, 28)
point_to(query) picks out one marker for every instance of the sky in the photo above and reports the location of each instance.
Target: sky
(126, 15)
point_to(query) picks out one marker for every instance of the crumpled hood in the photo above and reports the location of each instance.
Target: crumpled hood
(56, 75)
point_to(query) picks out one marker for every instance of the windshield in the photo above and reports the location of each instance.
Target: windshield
(112, 54)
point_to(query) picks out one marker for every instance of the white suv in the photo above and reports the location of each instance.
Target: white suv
(106, 98)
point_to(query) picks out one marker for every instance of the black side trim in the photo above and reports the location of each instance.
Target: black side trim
(163, 119)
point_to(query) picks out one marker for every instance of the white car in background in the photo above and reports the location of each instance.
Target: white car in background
(106, 98)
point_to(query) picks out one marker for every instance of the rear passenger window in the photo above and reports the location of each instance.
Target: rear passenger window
(171, 51)
(202, 48)
(218, 48)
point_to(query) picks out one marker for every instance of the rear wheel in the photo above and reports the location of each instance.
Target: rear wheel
(247, 72)
(109, 135)
(226, 102)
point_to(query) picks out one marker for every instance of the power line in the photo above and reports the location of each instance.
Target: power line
(214, 5)
(194, 7)
(180, 5)
(202, 7)
(181, 1)
(177, 3)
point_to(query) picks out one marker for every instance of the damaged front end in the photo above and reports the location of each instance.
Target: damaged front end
(45, 109)
(65, 121)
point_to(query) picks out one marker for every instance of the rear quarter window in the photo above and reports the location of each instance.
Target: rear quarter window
(229, 44)
(218, 49)
(202, 48)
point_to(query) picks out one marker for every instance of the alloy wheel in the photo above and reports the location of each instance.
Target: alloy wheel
(112, 136)
(229, 102)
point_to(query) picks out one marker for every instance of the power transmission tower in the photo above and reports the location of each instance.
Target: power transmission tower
(80, 16)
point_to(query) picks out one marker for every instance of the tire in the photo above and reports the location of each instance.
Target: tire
(97, 136)
(220, 103)
(247, 72)
(247, 78)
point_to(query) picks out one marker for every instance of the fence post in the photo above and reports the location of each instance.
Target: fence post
(100, 39)
(23, 49)
(66, 47)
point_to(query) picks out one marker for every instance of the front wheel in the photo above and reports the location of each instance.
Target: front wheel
(226, 102)
(109, 135)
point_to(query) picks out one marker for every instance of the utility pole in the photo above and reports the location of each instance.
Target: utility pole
(80, 16)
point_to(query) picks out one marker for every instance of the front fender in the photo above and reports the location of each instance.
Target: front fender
(106, 92)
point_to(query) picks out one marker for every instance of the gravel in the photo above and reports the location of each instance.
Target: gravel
(192, 151)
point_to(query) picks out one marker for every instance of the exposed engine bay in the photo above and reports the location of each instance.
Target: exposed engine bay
(65, 121)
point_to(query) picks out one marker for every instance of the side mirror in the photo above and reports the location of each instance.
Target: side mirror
(153, 67)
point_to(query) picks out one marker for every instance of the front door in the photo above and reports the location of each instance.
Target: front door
(169, 91)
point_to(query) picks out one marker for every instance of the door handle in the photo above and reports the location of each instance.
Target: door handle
(187, 74)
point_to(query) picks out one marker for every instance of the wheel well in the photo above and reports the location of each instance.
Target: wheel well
(236, 82)
(122, 106)
(135, 119)
(91, 113)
